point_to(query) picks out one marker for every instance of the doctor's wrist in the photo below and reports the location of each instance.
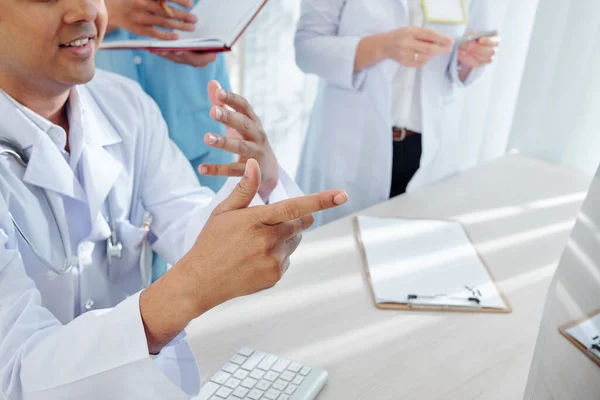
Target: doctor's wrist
(167, 306)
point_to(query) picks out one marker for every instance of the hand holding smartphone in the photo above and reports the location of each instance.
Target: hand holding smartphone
(469, 37)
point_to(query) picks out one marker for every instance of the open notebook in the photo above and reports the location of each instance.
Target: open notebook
(429, 264)
(220, 24)
(585, 334)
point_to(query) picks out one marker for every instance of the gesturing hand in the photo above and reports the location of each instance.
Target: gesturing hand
(243, 250)
(246, 138)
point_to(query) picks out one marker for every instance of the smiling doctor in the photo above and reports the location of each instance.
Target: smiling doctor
(388, 70)
(88, 180)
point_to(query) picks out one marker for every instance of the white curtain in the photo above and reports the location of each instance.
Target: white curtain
(539, 96)
(558, 109)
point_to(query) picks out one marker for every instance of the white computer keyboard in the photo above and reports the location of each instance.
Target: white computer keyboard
(253, 375)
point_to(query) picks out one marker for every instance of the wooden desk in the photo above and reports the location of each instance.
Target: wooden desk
(519, 213)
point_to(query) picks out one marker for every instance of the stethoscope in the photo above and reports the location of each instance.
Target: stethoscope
(114, 248)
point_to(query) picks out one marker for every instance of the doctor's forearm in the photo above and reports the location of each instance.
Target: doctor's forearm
(167, 306)
(370, 51)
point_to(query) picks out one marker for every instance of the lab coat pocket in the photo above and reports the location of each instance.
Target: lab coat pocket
(132, 238)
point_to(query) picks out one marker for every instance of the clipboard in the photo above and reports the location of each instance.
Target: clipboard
(408, 306)
(593, 355)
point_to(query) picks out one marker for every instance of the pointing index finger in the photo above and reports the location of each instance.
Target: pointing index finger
(295, 208)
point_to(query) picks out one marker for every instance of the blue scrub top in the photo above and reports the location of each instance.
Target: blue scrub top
(180, 92)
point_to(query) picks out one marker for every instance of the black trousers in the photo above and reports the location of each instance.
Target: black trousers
(407, 157)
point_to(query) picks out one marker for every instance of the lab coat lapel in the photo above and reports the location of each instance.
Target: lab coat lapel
(99, 168)
(47, 168)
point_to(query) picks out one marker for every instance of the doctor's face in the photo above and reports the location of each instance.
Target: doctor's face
(50, 44)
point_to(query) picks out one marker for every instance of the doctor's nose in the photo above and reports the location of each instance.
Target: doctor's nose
(81, 11)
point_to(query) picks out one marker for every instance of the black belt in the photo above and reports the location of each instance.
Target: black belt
(399, 134)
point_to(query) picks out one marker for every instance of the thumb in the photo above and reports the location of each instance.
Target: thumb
(245, 190)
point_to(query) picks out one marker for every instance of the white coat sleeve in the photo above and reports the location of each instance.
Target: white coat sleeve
(319, 49)
(479, 20)
(99, 355)
(172, 194)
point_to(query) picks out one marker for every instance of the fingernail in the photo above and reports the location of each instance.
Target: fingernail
(222, 94)
(212, 139)
(247, 170)
(203, 170)
(218, 112)
(340, 198)
(179, 53)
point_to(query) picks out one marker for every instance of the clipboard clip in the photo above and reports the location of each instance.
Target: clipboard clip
(424, 300)
(595, 348)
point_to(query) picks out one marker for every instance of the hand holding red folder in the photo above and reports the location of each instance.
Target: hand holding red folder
(188, 57)
(143, 17)
(218, 25)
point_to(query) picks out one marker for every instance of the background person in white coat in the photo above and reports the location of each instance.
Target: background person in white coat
(386, 75)
(84, 159)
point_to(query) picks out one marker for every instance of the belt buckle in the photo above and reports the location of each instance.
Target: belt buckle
(402, 135)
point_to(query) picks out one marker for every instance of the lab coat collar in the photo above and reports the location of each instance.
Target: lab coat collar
(100, 170)
(47, 168)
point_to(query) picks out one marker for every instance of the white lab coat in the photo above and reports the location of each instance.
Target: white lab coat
(80, 335)
(349, 140)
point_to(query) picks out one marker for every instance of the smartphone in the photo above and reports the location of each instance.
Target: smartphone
(474, 36)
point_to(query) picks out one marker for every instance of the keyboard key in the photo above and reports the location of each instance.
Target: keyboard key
(257, 374)
(237, 359)
(268, 362)
(216, 398)
(283, 397)
(240, 392)
(297, 380)
(221, 377)
(280, 365)
(249, 383)
(229, 367)
(294, 367)
(305, 371)
(263, 385)
(280, 385)
(271, 376)
(223, 392)
(207, 390)
(232, 383)
(288, 376)
(245, 351)
(255, 394)
(272, 394)
(253, 361)
(291, 389)
(241, 374)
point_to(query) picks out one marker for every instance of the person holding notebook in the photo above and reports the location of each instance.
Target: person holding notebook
(175, 80)
(389, 69)
(85, 161)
